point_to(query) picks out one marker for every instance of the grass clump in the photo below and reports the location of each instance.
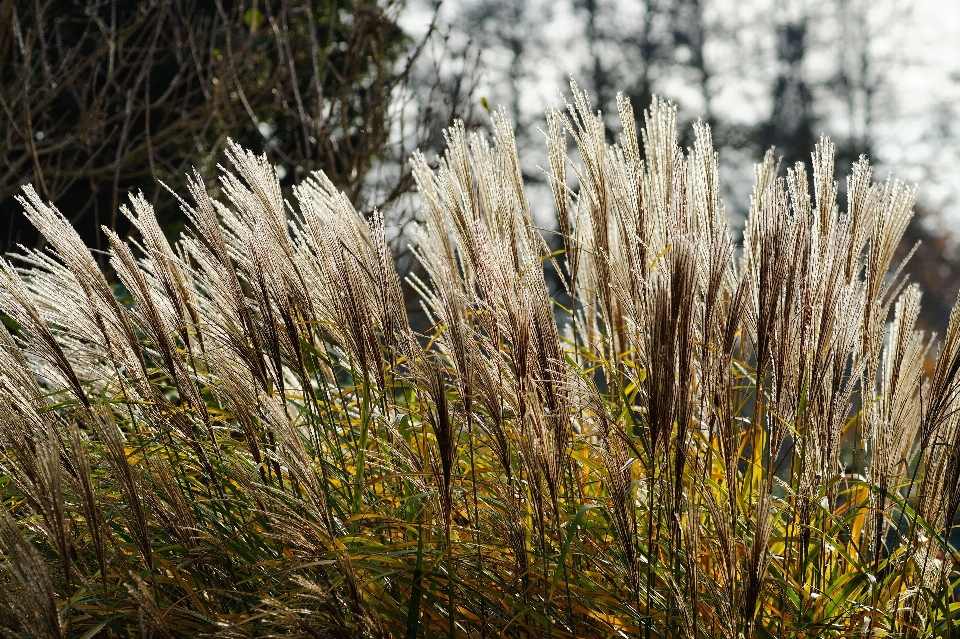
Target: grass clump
(694, 439)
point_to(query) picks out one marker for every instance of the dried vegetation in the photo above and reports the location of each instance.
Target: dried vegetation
(693, 439)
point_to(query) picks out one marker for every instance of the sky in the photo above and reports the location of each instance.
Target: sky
(921, 141)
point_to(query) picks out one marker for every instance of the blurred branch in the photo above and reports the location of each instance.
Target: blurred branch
(100, 98)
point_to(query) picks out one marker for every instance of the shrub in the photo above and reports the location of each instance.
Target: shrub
(694, 439)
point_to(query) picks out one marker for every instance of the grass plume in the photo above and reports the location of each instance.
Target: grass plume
(696, 439)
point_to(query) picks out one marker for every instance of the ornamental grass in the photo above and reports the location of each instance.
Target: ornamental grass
(240, 434)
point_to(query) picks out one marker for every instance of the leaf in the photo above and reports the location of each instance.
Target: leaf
(413, 612)
(571, 531)
(253, 18)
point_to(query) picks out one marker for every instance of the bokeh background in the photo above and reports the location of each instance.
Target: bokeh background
(99, 98)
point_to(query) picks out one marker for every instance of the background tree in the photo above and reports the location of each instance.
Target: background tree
(101, 97)
(791, 127)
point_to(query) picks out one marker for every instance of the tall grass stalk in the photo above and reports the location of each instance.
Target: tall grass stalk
(696, 438)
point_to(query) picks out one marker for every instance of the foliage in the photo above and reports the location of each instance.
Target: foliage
(695, 440)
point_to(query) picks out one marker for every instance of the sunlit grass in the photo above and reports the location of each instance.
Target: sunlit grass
(246, 438)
